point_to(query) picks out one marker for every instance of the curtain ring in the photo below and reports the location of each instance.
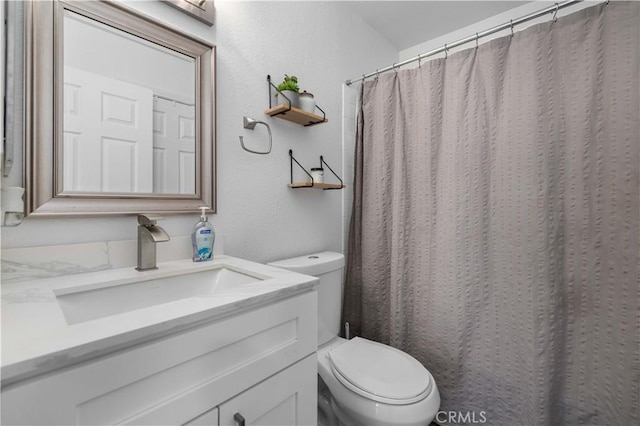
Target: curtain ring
(477, 40)
(394, 68)
(555, 14)
(446, 51)
(511, 21)
(377, 74)
(419, 61)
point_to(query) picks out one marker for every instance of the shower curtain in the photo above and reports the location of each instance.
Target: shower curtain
(495, 224)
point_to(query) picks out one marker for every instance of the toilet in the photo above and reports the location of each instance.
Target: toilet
(362, 382)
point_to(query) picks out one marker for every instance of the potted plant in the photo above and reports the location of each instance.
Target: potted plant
(289, 88)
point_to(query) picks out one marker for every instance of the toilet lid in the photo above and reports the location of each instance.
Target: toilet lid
(380, 372)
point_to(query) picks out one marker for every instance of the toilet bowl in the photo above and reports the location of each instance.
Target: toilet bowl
(368, 383)
(375, 384)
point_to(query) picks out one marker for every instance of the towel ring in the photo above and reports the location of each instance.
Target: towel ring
(250, 123)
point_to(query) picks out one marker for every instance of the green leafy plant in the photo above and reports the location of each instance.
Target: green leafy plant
(289, 83)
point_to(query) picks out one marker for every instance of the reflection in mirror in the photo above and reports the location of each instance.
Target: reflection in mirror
(129, 123)
(120, 112)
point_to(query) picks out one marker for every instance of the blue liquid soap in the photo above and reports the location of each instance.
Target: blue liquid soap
(202, 239)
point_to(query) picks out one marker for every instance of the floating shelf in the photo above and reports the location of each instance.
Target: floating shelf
(291, 113)
(312, 184)
(295, 115)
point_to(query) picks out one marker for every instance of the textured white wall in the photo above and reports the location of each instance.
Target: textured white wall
(261, 218)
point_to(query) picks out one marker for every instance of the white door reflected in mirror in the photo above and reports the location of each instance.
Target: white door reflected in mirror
(174, 156)
(129, 113)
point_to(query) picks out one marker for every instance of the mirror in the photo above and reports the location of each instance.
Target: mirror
(132, 102)
(125, 129)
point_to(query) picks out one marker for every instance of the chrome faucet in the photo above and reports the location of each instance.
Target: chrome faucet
(148, 235)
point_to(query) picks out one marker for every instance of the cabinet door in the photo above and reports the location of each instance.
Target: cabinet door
(287, 398)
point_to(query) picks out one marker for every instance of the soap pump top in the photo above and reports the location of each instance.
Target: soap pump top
(203, 213)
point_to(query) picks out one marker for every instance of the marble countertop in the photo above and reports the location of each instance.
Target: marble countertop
(37, 339)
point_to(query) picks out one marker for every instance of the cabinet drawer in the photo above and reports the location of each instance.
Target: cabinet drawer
(173, 379)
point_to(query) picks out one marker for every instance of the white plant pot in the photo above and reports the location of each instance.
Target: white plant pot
(293, 97)
(307, 102)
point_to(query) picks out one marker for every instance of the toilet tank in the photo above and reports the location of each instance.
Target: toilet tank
(327, 266)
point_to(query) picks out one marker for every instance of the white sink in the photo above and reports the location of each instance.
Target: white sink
(86, 303)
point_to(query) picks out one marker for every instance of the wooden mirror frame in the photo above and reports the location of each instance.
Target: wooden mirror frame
(44, 113)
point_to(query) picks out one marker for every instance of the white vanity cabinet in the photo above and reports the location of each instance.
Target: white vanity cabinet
(259, 364)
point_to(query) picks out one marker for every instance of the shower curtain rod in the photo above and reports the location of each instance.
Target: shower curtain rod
(512, 23)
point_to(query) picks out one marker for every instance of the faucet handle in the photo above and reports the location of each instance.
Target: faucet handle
(148, 219)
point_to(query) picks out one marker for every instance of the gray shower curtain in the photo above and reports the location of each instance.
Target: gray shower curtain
(496, 221)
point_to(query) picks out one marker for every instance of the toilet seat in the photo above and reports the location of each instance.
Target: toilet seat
(379, 372)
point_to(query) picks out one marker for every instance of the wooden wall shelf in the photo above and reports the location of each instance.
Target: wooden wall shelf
(312, 184)
(295, 115)
(291, 113)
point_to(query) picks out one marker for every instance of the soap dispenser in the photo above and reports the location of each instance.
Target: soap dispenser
(203, 238)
